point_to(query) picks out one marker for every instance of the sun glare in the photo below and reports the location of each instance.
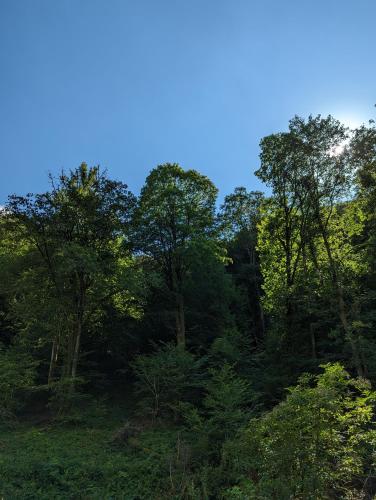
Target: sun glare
(338, 150)
(350, 121)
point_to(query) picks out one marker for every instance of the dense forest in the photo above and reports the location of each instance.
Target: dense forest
(168, 346)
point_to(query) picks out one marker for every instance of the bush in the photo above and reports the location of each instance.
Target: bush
(318, 443)
(17, 377)
(165, 378)
(224, 412)
(227, 396)
(71, 405)
(232, 347)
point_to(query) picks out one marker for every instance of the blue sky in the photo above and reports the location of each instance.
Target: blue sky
(132, 84)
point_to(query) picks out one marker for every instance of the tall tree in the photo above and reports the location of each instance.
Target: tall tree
(327, 180)
(310, 176)
(176, 208)
(362, 155)
(238, 219)
(281, 170)
(75, 230)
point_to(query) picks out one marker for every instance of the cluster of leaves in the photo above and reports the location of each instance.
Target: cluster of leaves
(318, 443)
(165, 378)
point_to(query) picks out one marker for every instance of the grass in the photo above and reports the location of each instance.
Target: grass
(80, 461)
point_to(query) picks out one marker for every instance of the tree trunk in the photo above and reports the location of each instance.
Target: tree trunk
(341, 305)
(348, 333)
(67, 359)
(313, 340)
(78, 333)
(261, 315)
(53, 360)
(76, 349)
(253, 262)
(180, 320)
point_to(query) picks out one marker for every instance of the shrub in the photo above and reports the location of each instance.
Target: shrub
(70, 404)
(318, 443)
(166, 377)
(17, 376)
(227, 396)
(224, 412)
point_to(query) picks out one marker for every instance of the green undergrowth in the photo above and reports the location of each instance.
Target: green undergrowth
(79, 461)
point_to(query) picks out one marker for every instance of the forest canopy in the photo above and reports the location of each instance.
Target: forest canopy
(235, 342)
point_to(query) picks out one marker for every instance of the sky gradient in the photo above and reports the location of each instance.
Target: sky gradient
(133, 84)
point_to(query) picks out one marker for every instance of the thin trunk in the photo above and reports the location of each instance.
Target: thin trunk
(341, 305)
(253, 262)
(313, 340)
(76, 349)
(53, 360)
(180, 321)
(348, 333)
(261, 314)
(78, 332)
(67, 369)
(289, 278)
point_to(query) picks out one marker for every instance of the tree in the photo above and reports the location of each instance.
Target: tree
(362, 155)
(281, 169)
(309, 176)
(166, 377)
(240, 212)
(176, 208)
(238, 219)
(327, 179)
(75, 232)
(317, 443)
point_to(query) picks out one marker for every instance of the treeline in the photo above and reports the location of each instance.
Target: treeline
(208, 315)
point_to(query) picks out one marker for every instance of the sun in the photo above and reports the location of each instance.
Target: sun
(351, 122)
(338, 150)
